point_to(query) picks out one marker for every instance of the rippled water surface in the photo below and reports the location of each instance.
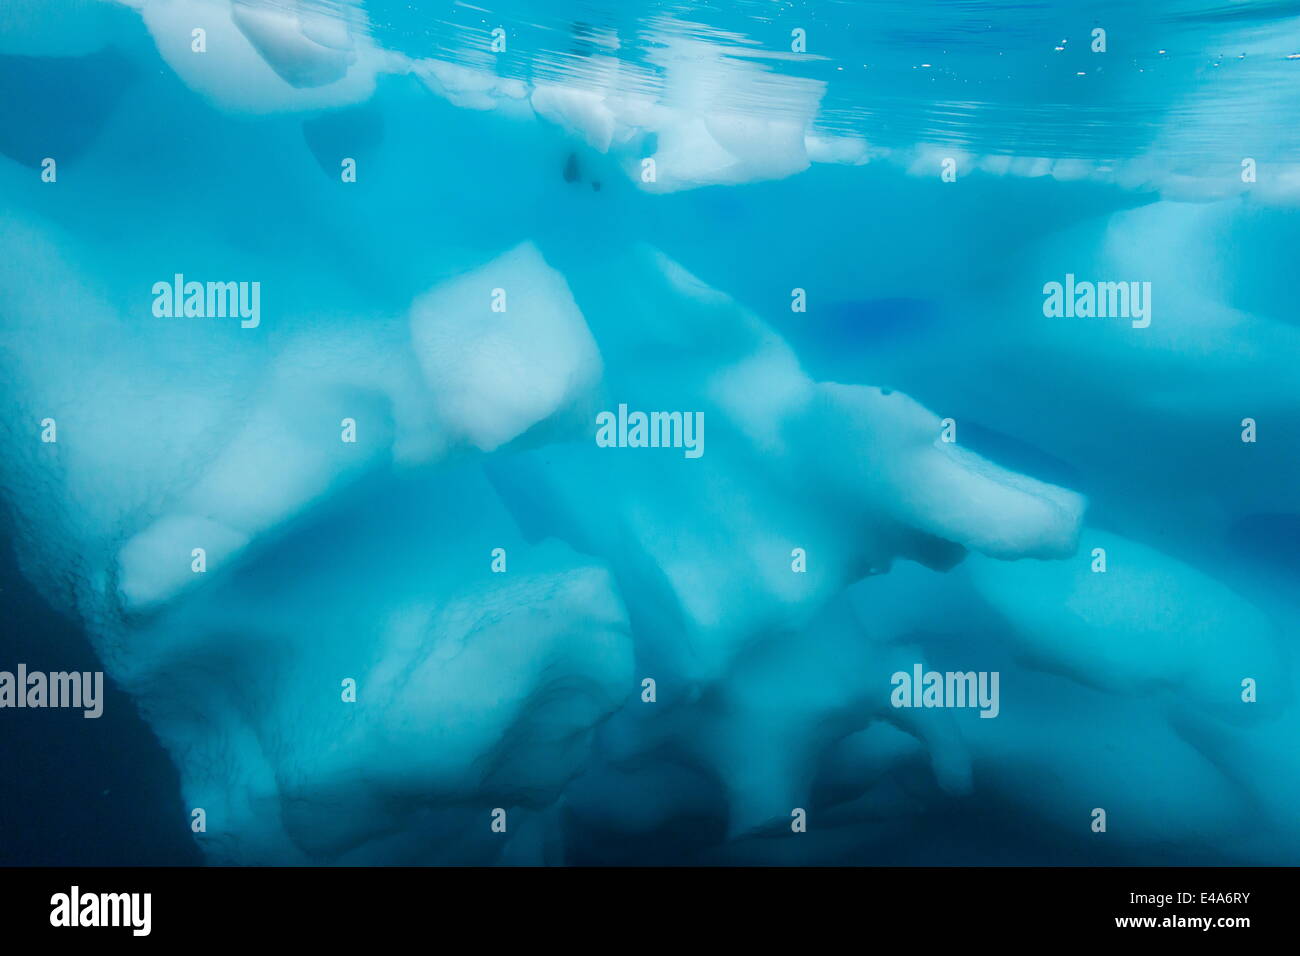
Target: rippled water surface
(990, 77)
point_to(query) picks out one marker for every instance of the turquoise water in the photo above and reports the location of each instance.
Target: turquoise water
(575, 435)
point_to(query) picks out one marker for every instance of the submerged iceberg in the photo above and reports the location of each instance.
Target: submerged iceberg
(459, 463)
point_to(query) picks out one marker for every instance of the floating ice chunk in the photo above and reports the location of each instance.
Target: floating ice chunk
(581, 110)
(846, 150)
(927, 160)
(1031, 167)
(300, 60)
(998, 164)
(688, 156)
(471, 88)
(937, 487)
(766, 147)
(258, 60)
(1071, 170)
(1147, 622)
(330, 27)
(495, 374)
(721, 148)
(703, 137)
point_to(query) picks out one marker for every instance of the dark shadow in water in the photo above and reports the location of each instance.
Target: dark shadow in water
(55, 105)
(78, 792)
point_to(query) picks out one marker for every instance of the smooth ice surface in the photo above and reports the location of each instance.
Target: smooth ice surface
(429, 592)
(532, 358)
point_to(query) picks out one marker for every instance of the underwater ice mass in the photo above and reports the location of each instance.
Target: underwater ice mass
(357, 383)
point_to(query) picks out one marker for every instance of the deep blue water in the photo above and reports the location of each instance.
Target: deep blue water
(79, 792)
